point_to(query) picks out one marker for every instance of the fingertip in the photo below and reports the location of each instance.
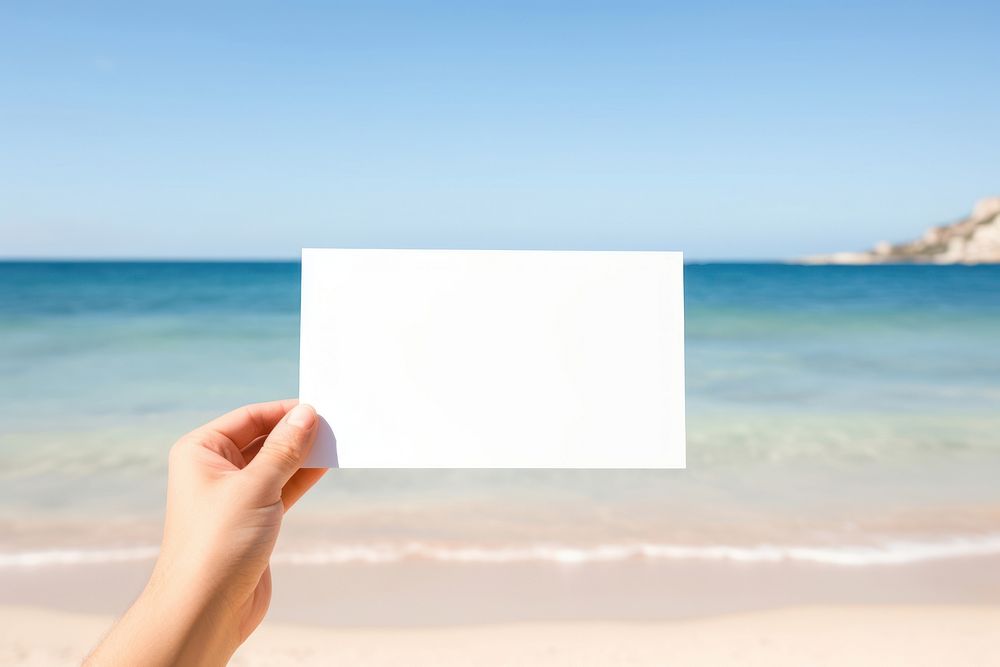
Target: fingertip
(302, 416)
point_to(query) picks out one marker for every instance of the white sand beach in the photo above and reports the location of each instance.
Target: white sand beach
(857, 636)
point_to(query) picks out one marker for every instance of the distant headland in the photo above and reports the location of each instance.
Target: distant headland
(974, 240)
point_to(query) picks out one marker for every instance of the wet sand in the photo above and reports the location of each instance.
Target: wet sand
(421, 593)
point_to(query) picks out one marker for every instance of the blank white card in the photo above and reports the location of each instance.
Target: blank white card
(494, 359)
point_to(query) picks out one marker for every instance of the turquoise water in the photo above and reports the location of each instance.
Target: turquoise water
(828, 407)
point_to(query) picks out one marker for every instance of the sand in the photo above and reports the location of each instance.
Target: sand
(857, 636)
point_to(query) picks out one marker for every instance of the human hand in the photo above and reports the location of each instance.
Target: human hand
(230, 483)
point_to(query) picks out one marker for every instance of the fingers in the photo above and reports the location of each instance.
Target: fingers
(284, 450)
(251, 450)
(300, 482)
(296, 487)
(244, 424)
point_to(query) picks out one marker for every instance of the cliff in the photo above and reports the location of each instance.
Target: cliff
(974, 240)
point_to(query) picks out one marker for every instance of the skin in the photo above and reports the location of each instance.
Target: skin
(230, 483)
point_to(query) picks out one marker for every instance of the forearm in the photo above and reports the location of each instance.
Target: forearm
(168, 625)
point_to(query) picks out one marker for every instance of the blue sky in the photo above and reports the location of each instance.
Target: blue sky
(726, 130)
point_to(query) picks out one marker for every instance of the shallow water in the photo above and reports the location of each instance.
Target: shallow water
(851, 411)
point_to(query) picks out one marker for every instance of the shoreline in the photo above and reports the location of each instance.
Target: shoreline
(872, 554)
(397, 595)
(915, 635)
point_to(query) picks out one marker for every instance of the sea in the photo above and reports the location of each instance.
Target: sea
(837, 415)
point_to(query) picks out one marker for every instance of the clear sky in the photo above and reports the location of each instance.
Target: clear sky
(726, 130)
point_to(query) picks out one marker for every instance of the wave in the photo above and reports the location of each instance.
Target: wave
(886, 553)
(50, 557)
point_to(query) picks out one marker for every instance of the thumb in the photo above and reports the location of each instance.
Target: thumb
(285, 449)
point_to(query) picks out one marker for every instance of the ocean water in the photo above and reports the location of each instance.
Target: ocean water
(844, 416)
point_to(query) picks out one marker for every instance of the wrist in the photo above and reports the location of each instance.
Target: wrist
(191, 623)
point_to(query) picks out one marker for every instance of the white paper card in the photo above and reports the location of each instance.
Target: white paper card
(494, 359)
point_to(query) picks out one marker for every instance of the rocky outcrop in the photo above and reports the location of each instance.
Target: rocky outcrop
(974, 240)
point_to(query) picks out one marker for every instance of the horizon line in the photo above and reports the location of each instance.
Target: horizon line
(296, 260)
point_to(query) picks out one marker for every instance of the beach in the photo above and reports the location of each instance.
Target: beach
(237, 241)
(809, 635)
(840, 504)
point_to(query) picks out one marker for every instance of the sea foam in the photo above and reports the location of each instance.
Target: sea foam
(880, 554)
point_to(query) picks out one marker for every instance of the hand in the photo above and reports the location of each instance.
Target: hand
(230, 483)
